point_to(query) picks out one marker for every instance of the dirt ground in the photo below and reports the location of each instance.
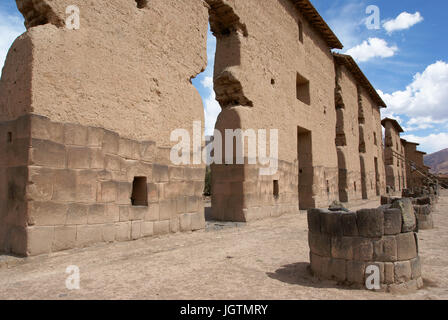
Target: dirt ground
(263, 260)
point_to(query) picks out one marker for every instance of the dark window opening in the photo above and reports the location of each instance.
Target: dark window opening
(303, 89)
(276, 189)
(355, 186)
(9, 139)
(139, 192)
(328, 187)
(300, 31)
(272, 81)
(142, 3)
(375, 141)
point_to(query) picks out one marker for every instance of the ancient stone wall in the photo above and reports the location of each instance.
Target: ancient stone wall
(343, 245)
(78, 185)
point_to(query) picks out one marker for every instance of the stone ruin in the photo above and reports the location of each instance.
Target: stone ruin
(344, 244)
(86, 117)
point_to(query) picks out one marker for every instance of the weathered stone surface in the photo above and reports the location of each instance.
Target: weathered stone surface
(313, 216)
(402, 270)
(370, 223)
(320, 266)
(416, 268)
(349, 224)
(40, 240)
(331, 223)
(320, 244)
(356, 272)
(392, 221)
(362, 249)
(64, 238)
(407, 212)
(342, 248)
(406, 246)
(385, 249)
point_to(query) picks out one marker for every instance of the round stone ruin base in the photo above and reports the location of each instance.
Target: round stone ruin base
(344, 244)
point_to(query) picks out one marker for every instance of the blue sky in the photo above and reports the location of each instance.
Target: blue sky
(406, 59)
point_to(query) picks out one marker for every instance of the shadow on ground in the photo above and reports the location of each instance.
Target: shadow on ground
(300, 274)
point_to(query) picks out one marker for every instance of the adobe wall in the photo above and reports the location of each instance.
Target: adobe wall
(347, 135)
(395, 165)
(266, 71)
(371, 148)
(86, 111)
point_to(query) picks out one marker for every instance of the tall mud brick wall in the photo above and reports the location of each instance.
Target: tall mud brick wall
(85, 123)
(343, 245)
(277, 77)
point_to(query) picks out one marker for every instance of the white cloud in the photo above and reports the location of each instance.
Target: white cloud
(10, 28)
(372, 48)
(431, 143)
(425, 99)
(211, 107)
(404, 21)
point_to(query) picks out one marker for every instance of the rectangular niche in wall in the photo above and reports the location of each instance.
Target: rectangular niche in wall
(303, 89)
(276, 190)
(139, 192)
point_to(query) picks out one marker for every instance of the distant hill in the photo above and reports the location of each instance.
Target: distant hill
(438, 161)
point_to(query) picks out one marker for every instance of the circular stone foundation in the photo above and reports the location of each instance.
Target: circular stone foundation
(344, 244)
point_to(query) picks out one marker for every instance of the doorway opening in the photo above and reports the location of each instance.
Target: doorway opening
(139, 192)
(306, 171)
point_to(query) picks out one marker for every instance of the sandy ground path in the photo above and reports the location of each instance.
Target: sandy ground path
(263, 260)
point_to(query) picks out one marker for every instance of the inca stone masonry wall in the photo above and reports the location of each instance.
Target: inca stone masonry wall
(73, 187)
(394, 156)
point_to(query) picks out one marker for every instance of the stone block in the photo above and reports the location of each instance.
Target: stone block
(193, 204)
(153, 193)
(320, 244)
(406, 246)
(392, 221)
(112, 162)
(370, 223)
(86, 186)
(174, 225)
(64, 185)
(342, 248)
(112, 213)
(110, 142)
(97, 214)
(167, 209)
(356, 272)
(123, 231)
(95, 137)
(389, 272)
(124, 213)
(385, 249)
(77, 214)
(181, 204)
(153, 213)
(47, 213)
(148, 151)
(176, 173)
(362, 249)
(407, 212)
(416, 268)
(128, 149)
(147, 228)
(320, 266)
(185, 222)
(109, 231)
(136, 230)
(47, 154)
(78, 157)
(349, 224)
(40, 187)
(39, 240)
(160, 173)
(338, 269)
(124, 193)
(161, 227)
(64, 238)
(137, 213)
(313, 216)
(75, 134)
(403, 272)
(109, 192)
(197, 221)
(96, 159)
(88, 235)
